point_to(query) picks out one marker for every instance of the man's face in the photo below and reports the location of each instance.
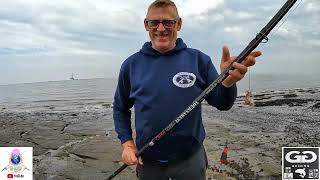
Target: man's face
(163, 38)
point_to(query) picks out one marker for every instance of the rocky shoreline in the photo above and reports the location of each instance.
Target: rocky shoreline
(82, 144)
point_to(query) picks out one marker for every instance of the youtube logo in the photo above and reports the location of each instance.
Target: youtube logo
(10, 176)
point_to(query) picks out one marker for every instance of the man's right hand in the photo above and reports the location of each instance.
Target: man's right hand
(129, 153)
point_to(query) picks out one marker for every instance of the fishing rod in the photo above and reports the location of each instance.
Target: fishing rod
(262, 35)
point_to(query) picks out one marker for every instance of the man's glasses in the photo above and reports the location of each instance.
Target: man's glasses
(154, 24)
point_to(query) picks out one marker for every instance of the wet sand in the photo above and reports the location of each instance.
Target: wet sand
(81, 144)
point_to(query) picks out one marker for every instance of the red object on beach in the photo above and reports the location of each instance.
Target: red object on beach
(224, 155)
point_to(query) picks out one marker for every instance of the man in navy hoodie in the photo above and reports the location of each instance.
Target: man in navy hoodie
(160, 81)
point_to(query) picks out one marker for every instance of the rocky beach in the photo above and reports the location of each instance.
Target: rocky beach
(80, 143)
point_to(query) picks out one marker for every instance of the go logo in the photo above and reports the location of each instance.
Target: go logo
(301, 157)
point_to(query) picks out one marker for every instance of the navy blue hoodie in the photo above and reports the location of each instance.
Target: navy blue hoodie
(160, 87)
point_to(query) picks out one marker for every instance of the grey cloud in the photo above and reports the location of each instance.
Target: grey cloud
(66, 25)
(60, 34)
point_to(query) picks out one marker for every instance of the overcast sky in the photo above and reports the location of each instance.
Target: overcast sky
(44, 40)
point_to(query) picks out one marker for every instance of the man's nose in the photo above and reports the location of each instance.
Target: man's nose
(161, 27)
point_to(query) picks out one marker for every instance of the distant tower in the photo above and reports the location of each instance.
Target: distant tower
(72, 78)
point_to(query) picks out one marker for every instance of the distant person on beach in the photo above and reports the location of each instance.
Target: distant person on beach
(160, 81)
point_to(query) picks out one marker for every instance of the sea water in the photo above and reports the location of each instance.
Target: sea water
(98, 92)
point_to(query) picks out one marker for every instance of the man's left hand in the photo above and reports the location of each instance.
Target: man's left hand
(240, 69)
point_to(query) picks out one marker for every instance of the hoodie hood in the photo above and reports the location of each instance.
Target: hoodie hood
(147, 48)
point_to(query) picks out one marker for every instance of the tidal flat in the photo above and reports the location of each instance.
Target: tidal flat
(80, 143)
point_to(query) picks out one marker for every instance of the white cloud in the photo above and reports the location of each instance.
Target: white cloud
(283, 31)
(194, 8)
(312, 6)
(234, 29)
(243, 15)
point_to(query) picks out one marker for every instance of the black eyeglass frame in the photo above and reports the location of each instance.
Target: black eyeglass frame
(163, 22)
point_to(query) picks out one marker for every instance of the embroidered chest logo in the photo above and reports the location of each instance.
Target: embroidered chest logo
(184, 79)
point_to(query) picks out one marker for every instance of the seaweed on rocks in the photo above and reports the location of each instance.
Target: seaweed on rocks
(297, 135)
(290, 95)
(240, 170)
(315, 106)
(281, 102)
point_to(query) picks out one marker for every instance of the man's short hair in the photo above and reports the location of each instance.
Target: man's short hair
(163, 4)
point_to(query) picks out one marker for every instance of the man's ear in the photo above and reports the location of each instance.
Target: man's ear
(145, 25)
(179, 24)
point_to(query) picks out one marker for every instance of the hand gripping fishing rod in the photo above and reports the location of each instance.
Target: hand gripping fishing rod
(262, 35)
